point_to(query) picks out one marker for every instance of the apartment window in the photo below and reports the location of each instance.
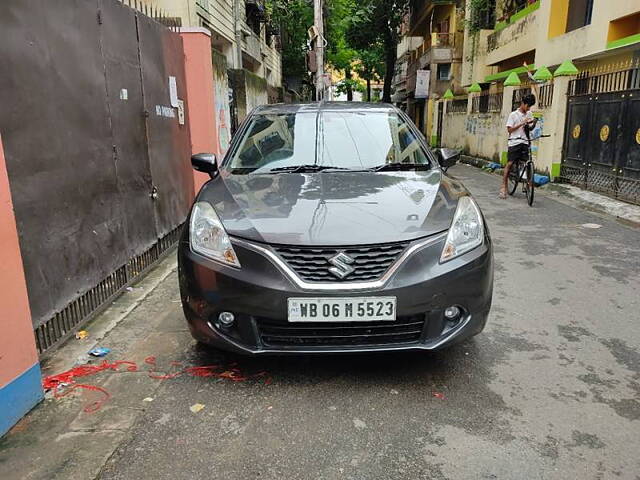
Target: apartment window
(579, 14)
(444, 71)
(443, 26)
(623, 28)
(255, 14)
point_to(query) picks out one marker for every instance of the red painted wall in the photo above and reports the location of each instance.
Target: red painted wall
(200, 96)
(17, 344)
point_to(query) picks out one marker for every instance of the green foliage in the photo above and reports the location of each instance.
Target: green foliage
(361, 35)
(340, 54)
(350, 84)
(365, 34)
(371, 63)
(482, 14)
(293, 17)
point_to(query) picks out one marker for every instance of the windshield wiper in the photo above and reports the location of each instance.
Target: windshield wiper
(304, 168)
(401, 166)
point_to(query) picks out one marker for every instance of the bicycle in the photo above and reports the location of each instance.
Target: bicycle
(524, 173)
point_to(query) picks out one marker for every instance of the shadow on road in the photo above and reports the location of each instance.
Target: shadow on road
(392, 367)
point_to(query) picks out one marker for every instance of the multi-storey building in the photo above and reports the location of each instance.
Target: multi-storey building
(431, 55)
(246, 49)
(591, 112)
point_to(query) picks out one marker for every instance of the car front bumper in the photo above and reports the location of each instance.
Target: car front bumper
(257, 296)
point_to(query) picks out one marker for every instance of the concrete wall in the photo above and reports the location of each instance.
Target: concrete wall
(249, 91)
(553, 49)
(221, 98)
(200, 96)
(256, 91)
(219, 13)
(475, 66)
(542, 31)
(20, 385)
(478, 134)
(218, 17)
(484, 135)
(517, 38)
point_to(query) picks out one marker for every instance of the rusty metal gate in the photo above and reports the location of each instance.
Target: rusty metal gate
(602, 135)
(97, 155)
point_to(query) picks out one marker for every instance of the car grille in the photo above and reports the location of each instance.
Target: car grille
(312, 263)
(403, 331)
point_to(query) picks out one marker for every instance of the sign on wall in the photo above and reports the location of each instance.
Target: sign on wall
(422, 83)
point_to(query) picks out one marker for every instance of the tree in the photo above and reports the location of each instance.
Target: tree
(293, 17)
(340, 55)
(362, 35)
(371, 66)
(377, 25)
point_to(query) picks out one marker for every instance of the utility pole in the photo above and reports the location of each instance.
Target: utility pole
(319, 48)
(237, 30)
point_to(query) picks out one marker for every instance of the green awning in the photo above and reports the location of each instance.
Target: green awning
(565, 69)
(543, 74)
(513, 80)
(475, 88)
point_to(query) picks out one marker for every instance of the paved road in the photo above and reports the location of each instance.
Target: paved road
(550, 390)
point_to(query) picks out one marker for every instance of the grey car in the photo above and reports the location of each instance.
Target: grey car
(333, 227)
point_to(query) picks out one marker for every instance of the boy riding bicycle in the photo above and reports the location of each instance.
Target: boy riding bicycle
(519, 124)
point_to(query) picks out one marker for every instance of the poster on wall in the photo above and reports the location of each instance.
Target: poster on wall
(223, 115)
(422, 83)
(173, 92)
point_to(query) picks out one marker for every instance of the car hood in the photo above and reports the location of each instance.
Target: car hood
(334, 208)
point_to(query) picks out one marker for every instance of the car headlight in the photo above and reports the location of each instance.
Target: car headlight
(466, 232)
(208, 237)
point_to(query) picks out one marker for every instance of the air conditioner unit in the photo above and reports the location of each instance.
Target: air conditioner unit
(312, 33)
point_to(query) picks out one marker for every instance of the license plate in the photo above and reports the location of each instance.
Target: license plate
(352, 309)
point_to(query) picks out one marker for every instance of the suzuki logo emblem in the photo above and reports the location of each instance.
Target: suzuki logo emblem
(341, 265)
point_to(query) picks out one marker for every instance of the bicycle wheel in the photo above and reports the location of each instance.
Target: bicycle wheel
(529, 183)
(513, 178)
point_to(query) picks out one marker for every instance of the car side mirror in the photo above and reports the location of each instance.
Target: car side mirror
(447, 157)
(206, 163)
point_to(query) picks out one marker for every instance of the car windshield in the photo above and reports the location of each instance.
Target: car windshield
(328, 140)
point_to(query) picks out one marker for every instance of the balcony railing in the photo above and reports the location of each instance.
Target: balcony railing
(513, 7)
(487, 103)
(587, 83)
(514, 11)
(544, 100)
(435, 40)
(251, 44)
(400, 74)
(420, 8)
(457, 106)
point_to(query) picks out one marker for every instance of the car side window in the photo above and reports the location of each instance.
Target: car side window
(410, 148)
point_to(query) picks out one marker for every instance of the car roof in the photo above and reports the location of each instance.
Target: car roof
(289, 108)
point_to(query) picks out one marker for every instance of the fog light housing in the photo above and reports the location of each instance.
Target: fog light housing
(226, 319)
(452, 313)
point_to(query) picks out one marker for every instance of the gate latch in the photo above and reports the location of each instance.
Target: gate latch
(154, 193)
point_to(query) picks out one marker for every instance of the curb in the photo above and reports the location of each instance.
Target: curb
(99, 327)
(494, 167)
(626, 213)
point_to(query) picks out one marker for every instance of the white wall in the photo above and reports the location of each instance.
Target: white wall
(484, 135)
